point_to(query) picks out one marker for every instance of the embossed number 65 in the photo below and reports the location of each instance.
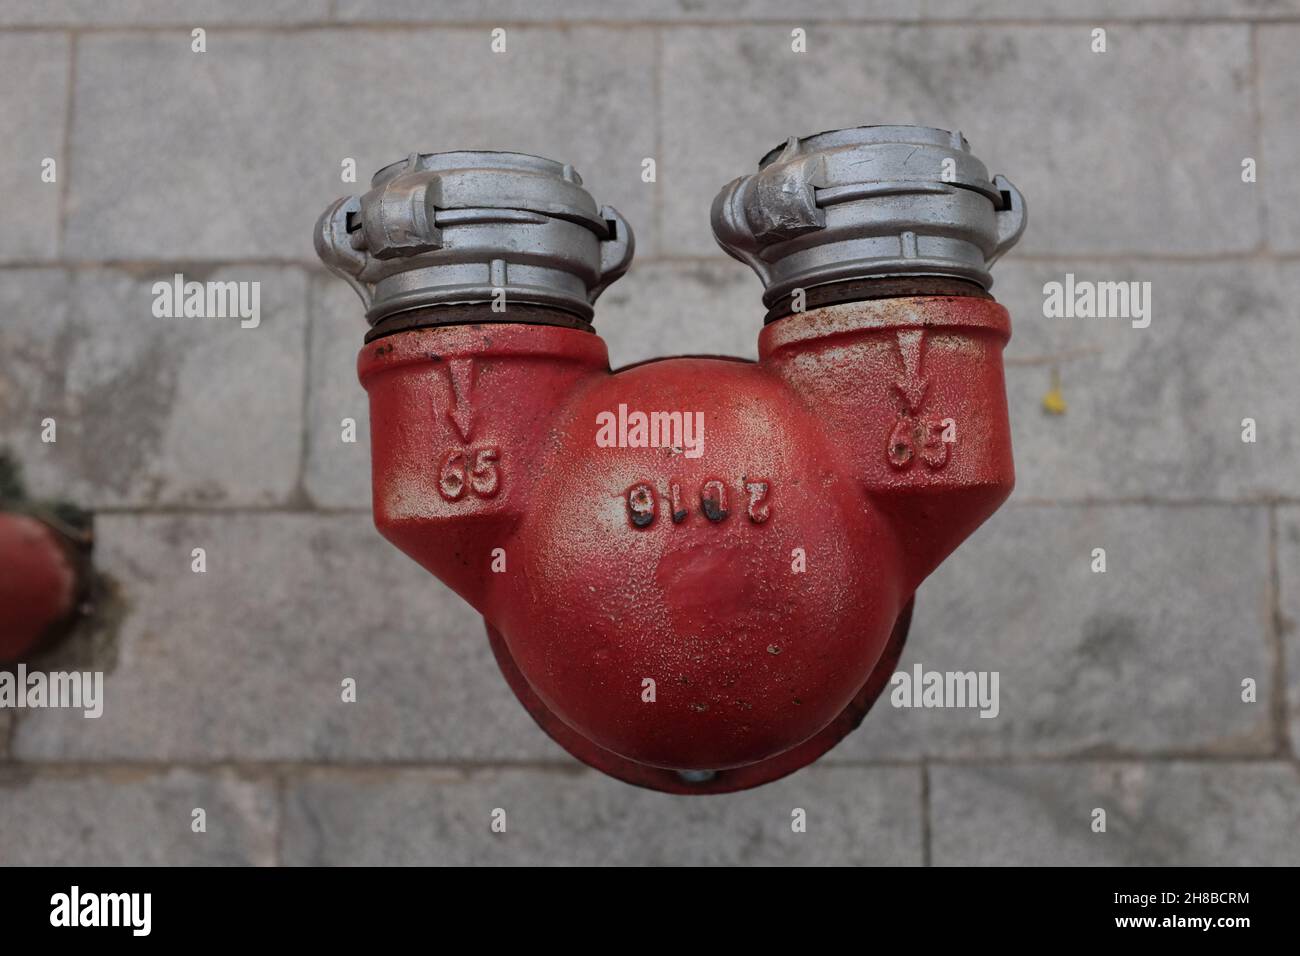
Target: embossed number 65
(469, 469)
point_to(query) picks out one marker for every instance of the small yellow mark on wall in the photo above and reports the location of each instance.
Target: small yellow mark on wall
(1054, 401)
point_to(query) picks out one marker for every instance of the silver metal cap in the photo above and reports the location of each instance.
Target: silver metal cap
(464, 227)
(872, 201)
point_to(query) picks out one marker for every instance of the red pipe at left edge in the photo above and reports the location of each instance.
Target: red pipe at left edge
(39, 585)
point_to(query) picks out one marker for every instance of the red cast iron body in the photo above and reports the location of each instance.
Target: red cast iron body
(763, 586)
(712, 608)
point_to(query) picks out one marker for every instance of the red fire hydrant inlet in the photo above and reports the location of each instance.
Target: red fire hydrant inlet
(696, 573)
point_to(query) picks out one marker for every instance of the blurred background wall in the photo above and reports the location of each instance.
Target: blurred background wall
(1120, 690)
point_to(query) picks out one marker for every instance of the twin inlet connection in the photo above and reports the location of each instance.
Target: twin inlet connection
(705, 612)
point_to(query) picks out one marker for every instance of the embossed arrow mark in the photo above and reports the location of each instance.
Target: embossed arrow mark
(912, 384)
(460, 375)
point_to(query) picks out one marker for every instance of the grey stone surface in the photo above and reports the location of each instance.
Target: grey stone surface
(1180, 814)
(134, 818)
(155, 13)
(662, 11)
(253, 151)
(1156, 413)
(1288, 542)
(1279, 103)
(151, 411)
(1109, 9)
(681, 308)
(246, 661)
(866, 816)
(782, 11)
(1086, 136)
(338, 472)
(33, 111)
(1145, 658)
(192, 433)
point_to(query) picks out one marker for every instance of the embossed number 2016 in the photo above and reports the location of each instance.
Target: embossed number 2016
(475, 470)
